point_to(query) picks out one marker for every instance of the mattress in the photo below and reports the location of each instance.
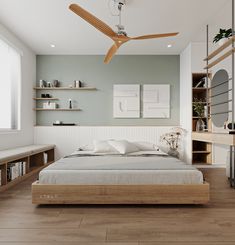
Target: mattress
(138, 169)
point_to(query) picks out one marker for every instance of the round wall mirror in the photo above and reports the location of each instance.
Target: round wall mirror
(219, 98)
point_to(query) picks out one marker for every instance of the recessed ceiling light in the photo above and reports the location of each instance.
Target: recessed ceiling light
(53, 45)
(169, 46)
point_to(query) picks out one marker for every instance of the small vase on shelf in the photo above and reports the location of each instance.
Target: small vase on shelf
(70, 104)
(200, 125)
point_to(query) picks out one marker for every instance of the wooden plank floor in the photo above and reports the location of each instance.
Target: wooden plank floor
(22, 223)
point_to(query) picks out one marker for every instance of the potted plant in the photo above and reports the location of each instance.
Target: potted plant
(198, 108)
(222, 36)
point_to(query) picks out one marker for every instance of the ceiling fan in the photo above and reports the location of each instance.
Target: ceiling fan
(120, 37)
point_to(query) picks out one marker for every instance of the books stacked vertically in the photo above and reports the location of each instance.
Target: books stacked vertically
(45, 158)
(15, 170)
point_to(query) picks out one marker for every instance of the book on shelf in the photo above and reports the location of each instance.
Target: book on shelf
(15, 170)
(0, 177)
(45, 158)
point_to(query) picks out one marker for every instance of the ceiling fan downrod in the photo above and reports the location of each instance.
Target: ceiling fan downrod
(120, 27)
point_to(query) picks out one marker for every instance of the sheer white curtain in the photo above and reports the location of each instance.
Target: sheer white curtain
(10, 81)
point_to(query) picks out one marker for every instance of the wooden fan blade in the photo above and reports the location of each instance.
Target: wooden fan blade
(91, 19)
(112, 51)
(155, 36)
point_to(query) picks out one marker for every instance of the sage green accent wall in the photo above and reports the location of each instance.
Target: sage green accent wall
(97, 106)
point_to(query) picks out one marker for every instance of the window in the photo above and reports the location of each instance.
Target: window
(10, 81)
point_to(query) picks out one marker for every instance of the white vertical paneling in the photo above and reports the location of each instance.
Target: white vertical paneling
(186, 100)
(68, 139)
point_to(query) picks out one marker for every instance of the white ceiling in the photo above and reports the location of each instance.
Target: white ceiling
(40, 23)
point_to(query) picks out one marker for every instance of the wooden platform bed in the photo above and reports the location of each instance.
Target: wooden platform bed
(120, 194)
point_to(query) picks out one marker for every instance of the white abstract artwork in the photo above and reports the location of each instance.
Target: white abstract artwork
(156, 101)
(126, 101)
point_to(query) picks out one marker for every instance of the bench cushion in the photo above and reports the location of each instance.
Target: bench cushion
(18, 152)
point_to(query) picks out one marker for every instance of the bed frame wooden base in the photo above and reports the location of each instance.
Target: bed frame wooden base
(120, 194)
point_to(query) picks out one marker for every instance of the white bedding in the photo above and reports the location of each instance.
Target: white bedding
(132, 169)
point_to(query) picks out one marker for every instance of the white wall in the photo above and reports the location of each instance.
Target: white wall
(185, 98)
(25, 135)
(198, 55)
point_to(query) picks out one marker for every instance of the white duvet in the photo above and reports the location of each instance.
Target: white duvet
(137, 168)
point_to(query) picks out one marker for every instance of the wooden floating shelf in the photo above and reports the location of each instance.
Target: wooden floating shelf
(220, 49)
(200, 117)
(201, 163)
(200, 89)
(223, 57)
(201, 152)
(194, 102)
(64, 88)
(59, 109)
(45, 98)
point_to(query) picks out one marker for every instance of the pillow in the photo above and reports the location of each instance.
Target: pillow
(124, 146)
(103, 146)
(146, 146)
(88, 147)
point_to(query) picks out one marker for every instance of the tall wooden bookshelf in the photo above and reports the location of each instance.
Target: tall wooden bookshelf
(201, 151)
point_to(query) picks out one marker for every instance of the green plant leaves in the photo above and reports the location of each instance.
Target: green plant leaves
(223, 33)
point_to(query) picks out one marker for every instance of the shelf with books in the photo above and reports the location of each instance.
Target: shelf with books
(17, 169)
(201, 106)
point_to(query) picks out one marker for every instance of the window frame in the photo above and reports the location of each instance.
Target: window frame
(18, 116)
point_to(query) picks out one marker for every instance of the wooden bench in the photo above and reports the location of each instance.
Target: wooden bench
(34, 158)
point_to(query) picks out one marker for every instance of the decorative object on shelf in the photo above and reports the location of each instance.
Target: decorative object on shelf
(202, 83)
(58, 122)
(48, 84)
(206, 111)
(45, 96)
(198, 108)
(55, 83)
(199, 84)
(126, 101)
(156, 101)
(222, 36)
(77, 84)
(64, 124)
(200, 125)
(70, 104)
(49, 105)
(42, 83)
(173, 140)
